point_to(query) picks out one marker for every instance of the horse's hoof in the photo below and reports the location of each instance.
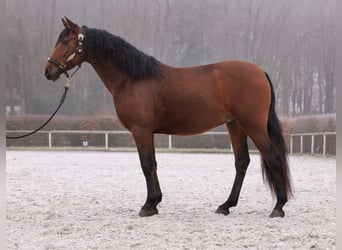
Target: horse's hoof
(277, 213)
(146, 212)
(223, 211)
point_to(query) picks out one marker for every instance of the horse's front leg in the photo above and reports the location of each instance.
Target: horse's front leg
(145, 145)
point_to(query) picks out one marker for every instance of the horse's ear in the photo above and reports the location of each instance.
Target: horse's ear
(70, 25)
(65, 23)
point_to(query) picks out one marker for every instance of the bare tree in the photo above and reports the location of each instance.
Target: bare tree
(294, 41)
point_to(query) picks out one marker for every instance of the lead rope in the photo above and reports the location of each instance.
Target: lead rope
(66, 88)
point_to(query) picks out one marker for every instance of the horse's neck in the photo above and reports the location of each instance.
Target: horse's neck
(112, 78)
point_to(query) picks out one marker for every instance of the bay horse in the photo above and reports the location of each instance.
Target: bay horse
(151, 97)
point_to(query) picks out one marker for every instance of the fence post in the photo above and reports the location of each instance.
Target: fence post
(170, 141)
(301, 144)
(50, 141)
(312, 144)
(291, 145)
(324, 143)
(106, 140)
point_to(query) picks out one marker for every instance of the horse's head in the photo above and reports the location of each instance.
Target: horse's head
(68, 51)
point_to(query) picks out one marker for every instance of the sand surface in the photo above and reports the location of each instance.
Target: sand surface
(91, 200)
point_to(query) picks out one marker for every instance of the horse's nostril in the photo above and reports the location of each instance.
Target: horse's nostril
(47, 73)
(51, 73)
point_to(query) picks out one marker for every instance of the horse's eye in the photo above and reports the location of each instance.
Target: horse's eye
(65, 42)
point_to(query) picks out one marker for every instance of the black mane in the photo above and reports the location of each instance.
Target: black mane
(123, 55)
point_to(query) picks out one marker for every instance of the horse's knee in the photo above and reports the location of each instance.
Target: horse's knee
(148, 167)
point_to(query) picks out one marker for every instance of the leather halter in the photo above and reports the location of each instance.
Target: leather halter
(78, 50)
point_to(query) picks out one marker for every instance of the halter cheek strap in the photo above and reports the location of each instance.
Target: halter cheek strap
(78, 50)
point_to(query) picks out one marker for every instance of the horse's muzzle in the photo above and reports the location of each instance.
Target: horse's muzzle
(51, 73)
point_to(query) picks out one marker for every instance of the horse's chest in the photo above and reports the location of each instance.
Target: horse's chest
(135, 110)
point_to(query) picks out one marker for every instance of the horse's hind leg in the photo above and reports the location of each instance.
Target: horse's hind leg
(275, 169)
(145, 145)
(240, 147)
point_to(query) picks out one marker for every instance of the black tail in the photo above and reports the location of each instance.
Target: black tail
(278, 144)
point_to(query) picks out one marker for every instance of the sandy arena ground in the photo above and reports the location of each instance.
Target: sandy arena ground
(91, 200)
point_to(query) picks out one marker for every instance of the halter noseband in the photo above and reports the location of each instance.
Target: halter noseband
(78, 50)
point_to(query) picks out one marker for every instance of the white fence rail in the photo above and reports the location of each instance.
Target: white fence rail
(170, 145)
(312, 143)
(99, 132)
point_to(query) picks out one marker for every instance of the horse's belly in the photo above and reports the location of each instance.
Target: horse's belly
(193, 123)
